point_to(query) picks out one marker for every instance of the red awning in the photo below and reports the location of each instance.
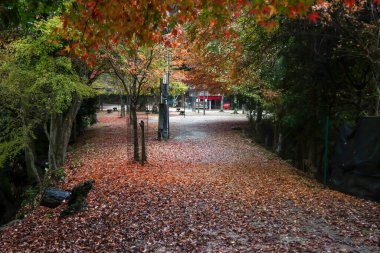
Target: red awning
(211, 97)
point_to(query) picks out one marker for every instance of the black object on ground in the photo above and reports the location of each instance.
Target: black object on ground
(78, 198)
(53, 197)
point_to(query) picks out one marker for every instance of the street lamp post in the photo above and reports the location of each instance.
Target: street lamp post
(184, 104)
(204, 107)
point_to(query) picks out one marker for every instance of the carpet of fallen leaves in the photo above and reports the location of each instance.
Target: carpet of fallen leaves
(208, 189)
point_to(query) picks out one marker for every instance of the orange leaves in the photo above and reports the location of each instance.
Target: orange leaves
(91, 4)
(269, 10)
(85, 56)
(349, 3)
(237, 14)
(174, 32)
(313, 17)
(227, 33)
(135, 46)
(147, 20)
(115, 41)
(213, 22)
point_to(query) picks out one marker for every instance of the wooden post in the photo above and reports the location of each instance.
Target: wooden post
(143, 151)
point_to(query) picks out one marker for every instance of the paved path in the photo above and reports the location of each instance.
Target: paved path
(208, 189)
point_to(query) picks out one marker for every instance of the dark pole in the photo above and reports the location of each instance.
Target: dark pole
(184, 106)
(221, 104)
(198, 102)
(235, 104)
(166, 129)
(204, 98)
(143, 151)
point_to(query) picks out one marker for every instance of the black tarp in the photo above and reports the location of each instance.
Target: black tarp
(356, 162)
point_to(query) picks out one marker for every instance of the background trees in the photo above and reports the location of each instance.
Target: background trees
(299, 71)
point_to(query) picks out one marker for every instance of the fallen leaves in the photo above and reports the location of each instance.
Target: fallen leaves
(208, 189)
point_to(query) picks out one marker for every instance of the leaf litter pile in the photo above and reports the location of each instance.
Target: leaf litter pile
(207, 189)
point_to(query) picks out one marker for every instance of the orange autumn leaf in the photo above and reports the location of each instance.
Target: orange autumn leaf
(313, 17)
(349, 3)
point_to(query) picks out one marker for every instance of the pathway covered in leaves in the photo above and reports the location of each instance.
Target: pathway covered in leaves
(208, 189)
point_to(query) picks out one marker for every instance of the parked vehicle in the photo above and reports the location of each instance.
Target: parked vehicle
(226, 106)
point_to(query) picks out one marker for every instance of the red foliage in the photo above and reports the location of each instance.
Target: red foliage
(349, 3)
(313, 17)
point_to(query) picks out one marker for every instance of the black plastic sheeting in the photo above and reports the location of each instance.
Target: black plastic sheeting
(356, 162)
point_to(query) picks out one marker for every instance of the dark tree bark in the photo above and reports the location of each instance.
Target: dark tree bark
(259, 114)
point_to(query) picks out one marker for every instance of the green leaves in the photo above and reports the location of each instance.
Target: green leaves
(35, 83)
(24, 13)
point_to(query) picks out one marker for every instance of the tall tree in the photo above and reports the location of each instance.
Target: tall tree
(137, 70)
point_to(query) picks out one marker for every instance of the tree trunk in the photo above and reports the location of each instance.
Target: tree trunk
(259, 115)
(51, 153)
(299, 155)
(122, 105)
(279, 144)
(31, 164)
(75, 133)
(312, 156)
(61, 127)
(30, 155)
